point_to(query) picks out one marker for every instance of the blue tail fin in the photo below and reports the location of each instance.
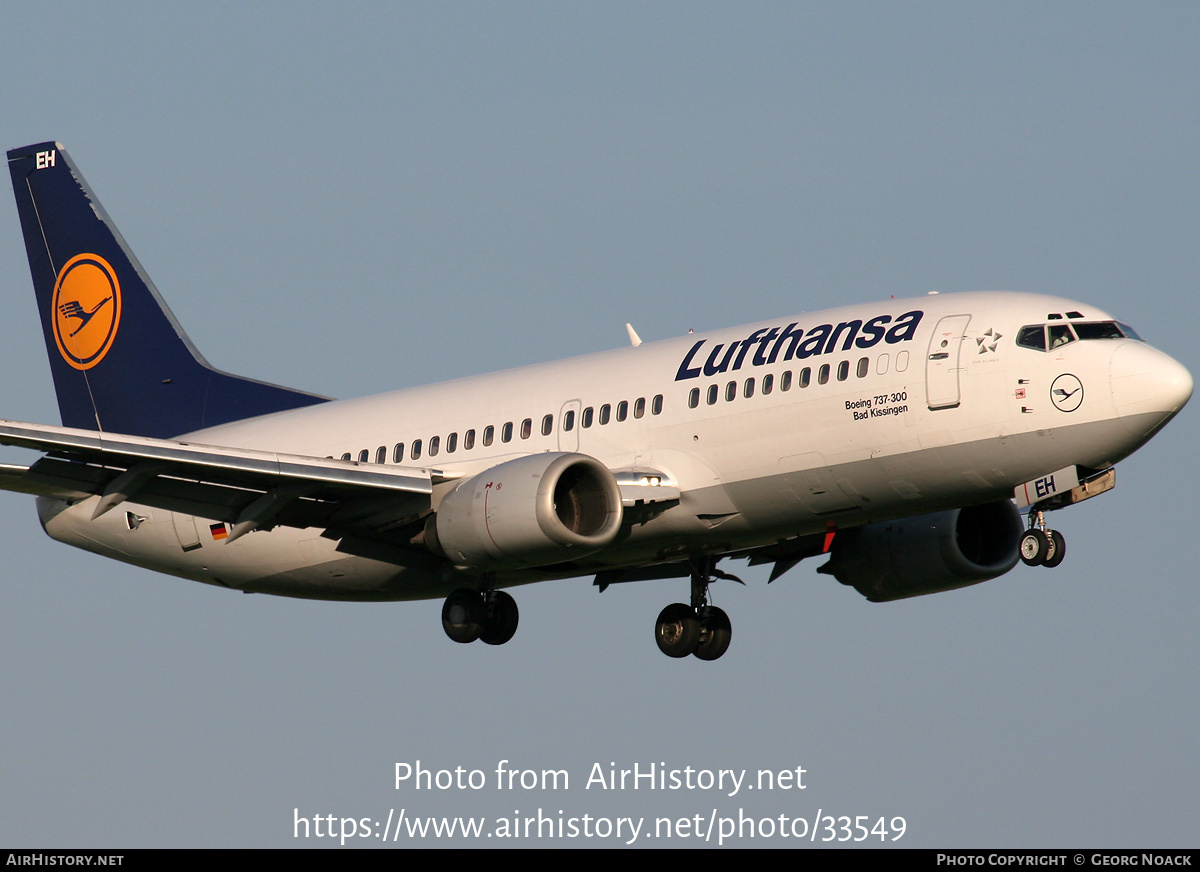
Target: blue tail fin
(120, 361)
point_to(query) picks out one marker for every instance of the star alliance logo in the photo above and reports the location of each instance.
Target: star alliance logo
(988, 341)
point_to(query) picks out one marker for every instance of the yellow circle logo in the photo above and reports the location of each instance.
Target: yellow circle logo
(87, 310)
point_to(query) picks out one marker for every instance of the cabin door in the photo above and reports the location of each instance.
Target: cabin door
(942, 363)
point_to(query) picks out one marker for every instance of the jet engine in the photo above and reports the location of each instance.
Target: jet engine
(544, 508)
(929, 553)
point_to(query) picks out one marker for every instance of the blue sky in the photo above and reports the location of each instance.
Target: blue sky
(360, 198)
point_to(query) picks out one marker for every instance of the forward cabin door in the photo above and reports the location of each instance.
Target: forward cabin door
(942, 363)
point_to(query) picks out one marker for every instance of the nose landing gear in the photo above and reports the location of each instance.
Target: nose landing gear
(1041, 546)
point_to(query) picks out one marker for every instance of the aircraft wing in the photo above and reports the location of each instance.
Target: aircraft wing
(243, 487)
(14, 477)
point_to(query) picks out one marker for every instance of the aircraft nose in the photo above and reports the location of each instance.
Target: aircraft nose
(1148, 387)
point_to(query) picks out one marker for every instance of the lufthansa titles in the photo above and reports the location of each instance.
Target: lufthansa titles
(793, 342)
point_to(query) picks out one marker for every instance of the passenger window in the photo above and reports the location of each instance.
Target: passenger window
(587, 417)
(451, 443)
(415, 454)
(902, 361)
(785, 383)
(605, 412)
(364, 455)
(526, 428)
(805, 377)
(468, 440)
(434, 444)
(864, 366)
(547, 424)
(713, 391)
(381, 454)
(346, 456)
(656, 405)
(622, 410)
(730, 392)
(489, 433)
(823, 374)
(639, 407)
(693, 398)
(882, 366)
(398, 453)
(843, 371)
(768, 383)
(569, 420)
(506, 432)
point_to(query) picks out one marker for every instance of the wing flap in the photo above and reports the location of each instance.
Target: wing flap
(244, 487)
(244, 464)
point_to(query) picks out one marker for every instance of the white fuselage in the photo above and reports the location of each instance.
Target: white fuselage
(768, 431)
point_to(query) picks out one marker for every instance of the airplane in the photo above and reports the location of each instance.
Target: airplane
(900, 439)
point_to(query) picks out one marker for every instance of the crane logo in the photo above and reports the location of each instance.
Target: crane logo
(1066, 393)
(86, 310)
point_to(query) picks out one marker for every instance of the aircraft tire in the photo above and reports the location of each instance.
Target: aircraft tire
(715, 633)
(502, 617)
(463, 615)
(1058, 550)
(1035, 545)
(677, 631)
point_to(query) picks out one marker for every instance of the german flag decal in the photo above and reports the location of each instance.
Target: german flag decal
(219, 531)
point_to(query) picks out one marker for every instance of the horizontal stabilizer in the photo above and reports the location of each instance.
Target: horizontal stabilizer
(17, 479)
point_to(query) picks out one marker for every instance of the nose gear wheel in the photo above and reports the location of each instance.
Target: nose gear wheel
(1041, 546)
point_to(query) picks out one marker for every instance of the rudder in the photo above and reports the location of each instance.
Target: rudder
(120, 360)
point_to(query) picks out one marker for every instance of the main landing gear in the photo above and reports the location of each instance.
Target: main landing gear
(490, 615)
(697, 629)
(1041, 546)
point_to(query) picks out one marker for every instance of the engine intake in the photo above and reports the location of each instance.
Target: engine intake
(929, 553)
(544, 508)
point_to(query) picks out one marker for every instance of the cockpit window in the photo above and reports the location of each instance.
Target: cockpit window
(1060, 334)
(1032, 337)
(1130, 332)
(1099, 330)
(1044, 338)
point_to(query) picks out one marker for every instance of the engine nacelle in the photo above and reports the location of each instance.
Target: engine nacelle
(544, 508)
(929, 553)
